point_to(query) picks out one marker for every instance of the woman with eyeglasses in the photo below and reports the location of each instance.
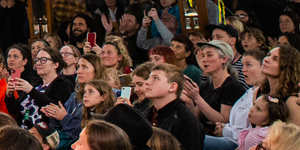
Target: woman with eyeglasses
(54, 88)
(70, 55)
(66, 117)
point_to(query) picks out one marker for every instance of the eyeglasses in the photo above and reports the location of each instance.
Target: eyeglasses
(66, 54)
(42, 60)
(260, 147)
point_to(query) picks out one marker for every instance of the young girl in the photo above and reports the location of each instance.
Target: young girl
(97, 97)
(263, 113)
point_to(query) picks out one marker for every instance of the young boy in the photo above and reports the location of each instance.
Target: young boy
(164, 88)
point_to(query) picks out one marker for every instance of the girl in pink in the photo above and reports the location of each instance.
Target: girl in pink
(263, 113)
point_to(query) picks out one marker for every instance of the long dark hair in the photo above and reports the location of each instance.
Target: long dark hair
(289, 77)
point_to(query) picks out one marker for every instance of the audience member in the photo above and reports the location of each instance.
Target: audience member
(19, 59)
(196, 37)
(236, 23)
(264, 112)
(164, 87)
(111, 12)
(289, 22)
(115, 55)
(70, 55)
(227, 134)
(54, 40)
(281, 136)
(248, 17)
(229, 34)
(92, 137)
(129, 25)
(282, 69)
(80, 26)
(184, 57)
(215, 98)
(53, 89)
(97, 97)
(48, 137)
(15, 138)
(167, 10)
(36, 45)
(166, 28)
(3, 84)
(6, 120)
(292, 39)
(163, 140)
(162, 54)
(67, 117)
(253, 38)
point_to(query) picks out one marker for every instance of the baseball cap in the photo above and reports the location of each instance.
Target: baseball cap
(220, 45)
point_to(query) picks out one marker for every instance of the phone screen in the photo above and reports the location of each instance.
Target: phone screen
(91, 37)
(126, 92)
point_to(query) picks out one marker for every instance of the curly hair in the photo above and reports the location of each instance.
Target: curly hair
(119, 43)
(289, 77)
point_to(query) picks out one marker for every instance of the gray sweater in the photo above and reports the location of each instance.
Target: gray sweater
(165, 39)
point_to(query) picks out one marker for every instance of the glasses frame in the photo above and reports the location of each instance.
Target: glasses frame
(42, 60)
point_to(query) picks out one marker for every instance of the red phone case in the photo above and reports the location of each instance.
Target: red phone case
(16, 74)
(92, 38)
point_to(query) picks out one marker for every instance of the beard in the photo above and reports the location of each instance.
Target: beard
(78, 38)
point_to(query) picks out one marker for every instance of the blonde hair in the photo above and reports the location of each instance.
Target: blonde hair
(163, 140)
(113, 75)
(236, 23)
(119, 42)
(284, 136)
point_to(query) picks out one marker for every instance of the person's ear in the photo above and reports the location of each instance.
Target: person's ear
(56, 65)
(232, 42)
(173, 87)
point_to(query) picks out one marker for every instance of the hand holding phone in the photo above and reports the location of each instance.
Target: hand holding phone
(15, 74)
(91, 37)
(126, 92)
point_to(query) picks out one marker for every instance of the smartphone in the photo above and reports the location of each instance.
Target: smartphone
(126, 92)
(91, 37)
(16, 74)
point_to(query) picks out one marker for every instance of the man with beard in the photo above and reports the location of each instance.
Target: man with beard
(81, 25)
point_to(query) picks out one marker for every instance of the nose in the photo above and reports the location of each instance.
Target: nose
(244, 69)
(266, 59)
(74, 145)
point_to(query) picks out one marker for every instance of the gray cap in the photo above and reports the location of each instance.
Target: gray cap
(220, 45)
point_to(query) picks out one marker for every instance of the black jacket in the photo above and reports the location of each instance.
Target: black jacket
(176, 118)
(58, 90)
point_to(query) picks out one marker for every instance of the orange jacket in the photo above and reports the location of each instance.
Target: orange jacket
(3, 87)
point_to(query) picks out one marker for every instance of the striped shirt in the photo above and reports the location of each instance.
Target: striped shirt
(238, 66)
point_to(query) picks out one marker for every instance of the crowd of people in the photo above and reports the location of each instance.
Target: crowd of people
(235, 87)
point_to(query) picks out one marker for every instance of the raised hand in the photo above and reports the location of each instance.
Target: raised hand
(107, 24)
(153, 13)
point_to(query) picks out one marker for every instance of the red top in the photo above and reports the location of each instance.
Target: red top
(3, 87)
